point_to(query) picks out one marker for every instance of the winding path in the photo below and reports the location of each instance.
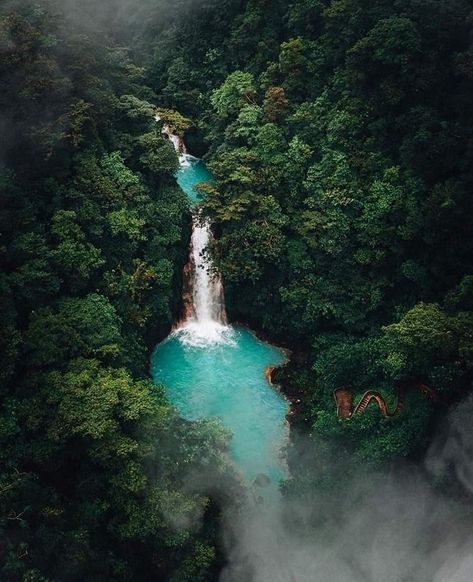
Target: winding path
(344, 400)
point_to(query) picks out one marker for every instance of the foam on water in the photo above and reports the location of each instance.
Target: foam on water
(204, 334)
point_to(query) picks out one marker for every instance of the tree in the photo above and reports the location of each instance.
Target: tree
(237, 90)
(275, 103)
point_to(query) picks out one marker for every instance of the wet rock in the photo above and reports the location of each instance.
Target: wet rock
(262, 480)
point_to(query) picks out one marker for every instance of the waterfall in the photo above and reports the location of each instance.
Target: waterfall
(178, 143)
(204, 319)
(207, 294)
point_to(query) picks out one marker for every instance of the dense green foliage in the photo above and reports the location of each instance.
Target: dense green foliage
(99, 478)
(340, 136)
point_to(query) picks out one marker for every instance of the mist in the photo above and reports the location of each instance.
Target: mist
(389, 527)
(123, 21)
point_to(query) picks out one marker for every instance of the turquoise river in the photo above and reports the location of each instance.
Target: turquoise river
(212, 369)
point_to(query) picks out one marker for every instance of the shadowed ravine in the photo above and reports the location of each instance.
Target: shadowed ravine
(212, 369)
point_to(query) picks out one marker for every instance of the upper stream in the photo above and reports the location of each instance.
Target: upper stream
(212, 369)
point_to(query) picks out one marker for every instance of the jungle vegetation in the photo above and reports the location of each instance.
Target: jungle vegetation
(339, 135)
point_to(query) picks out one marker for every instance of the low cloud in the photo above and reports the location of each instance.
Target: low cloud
(377, 528)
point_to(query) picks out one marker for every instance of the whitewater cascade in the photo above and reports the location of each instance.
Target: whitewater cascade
(205, 321)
